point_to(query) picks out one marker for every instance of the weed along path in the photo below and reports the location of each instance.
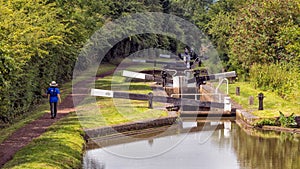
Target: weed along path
(25, 135)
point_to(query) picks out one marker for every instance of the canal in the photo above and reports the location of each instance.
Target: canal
(220, 146)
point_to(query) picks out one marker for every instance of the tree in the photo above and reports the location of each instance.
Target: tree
(193, 10)
(40, 41)
(264, 33)
(221, 16)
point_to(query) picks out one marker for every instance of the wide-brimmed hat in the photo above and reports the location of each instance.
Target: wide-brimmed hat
(53, 83)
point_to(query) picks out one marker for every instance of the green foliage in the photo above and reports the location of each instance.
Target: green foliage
(263, 122)
(279, 78)
(194, 10)
(264, 33)
(286, 121)
(219, 28)
(221, 21)
(282, 120)
(40, 42)
(247, 32)
(29, 32)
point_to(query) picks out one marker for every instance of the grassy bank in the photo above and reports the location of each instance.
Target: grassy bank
(272, 102)
(108, 111)
(60, 147)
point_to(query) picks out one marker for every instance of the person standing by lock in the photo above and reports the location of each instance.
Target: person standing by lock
(53, 94)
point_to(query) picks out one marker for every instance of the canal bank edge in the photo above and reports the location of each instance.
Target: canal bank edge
(139, 125)
(246, 120)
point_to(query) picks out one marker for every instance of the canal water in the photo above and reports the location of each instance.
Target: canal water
(225, 147)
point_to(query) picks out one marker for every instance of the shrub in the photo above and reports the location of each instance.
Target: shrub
(287, 121)
(279, 78)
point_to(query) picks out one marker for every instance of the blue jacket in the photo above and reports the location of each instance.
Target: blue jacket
(53, 92)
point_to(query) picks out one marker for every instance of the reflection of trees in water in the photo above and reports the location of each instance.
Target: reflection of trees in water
(262, 153)
(260, 150)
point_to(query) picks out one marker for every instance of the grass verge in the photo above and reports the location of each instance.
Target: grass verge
(272, 102)
(60, 147)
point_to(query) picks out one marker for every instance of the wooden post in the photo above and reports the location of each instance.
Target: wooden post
(261, 103)
(237, 91)
(251, 100)
(150, 99)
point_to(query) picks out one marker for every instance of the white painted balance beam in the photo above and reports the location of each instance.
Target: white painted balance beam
(165, 56)
(139, 61)
(131, 74)
(103, 93)
(224, 75)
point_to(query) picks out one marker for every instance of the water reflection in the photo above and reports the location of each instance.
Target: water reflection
(228, 147)
(266, 150)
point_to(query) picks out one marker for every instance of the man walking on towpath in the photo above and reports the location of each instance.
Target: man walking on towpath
(53, 94)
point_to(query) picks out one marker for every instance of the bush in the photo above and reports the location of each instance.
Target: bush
(287, 121)
(279, 78)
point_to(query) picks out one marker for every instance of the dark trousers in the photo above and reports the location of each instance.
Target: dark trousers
(53, 109)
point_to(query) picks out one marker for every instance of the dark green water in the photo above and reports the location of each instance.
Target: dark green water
(229, 148)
